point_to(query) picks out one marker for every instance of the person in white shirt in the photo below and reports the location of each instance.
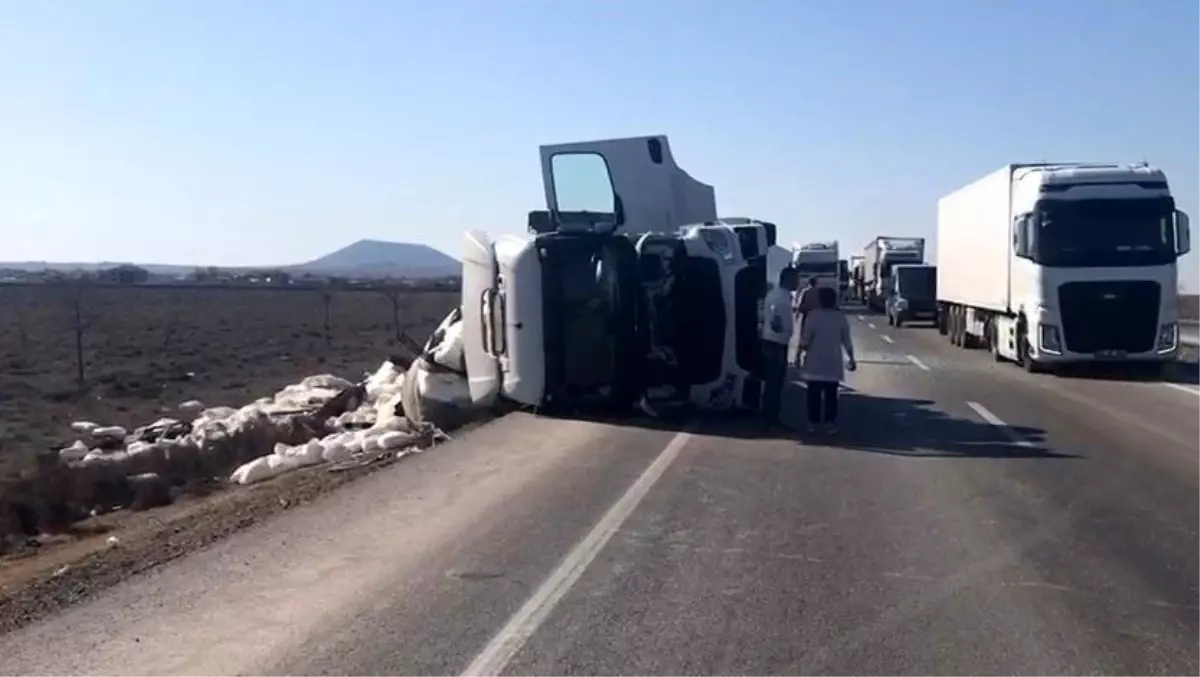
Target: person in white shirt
(778, 325)
(824, 338)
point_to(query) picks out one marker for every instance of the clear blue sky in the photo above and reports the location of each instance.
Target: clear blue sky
(242, 132)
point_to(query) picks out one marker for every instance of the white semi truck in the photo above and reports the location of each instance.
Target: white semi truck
(819, 260)
(879, 256)
(1053, 263)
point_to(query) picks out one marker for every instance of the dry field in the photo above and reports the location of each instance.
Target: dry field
(146, 350)
(1189, 307)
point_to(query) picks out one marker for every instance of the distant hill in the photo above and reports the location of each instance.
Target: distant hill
(365, 258)
(376, 258)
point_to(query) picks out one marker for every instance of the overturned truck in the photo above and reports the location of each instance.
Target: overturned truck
(628, 288)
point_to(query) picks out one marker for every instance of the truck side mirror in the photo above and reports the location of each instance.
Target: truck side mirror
(540, 222)
(1021, 236)
(1183, 233)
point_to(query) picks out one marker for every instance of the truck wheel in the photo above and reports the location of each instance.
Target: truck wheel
(940, 320)
(994, 342)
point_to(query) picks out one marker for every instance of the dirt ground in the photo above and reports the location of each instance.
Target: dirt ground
(146, 350)
(1189, 307)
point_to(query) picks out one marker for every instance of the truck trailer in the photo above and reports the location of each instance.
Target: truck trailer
(879, 256)
(1046, 264)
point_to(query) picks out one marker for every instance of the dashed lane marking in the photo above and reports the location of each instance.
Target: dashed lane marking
(918, 362)
(996, 421)
(496, 656)
(871, 325)
(887, 338)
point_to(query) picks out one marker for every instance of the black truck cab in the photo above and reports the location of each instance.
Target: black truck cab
(912, 294)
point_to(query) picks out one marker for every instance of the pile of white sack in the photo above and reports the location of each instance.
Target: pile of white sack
(323, 419)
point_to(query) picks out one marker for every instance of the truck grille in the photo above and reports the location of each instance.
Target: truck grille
(1113, 315)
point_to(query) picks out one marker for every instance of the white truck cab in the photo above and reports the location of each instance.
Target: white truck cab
(1055, 263)
(819, 260)
(628, 281)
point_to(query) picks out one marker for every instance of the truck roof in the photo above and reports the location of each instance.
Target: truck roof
(1076, 173)
(817, 246)
(901, 242)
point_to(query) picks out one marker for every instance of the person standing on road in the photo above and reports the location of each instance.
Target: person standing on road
(806, 302)
(823, 336)
(778, 326)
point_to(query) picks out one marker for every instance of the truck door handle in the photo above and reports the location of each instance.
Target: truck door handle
(485, 321)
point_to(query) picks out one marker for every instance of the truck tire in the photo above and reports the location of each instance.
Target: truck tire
(994, 342)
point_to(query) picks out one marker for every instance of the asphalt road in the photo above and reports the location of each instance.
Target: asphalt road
(971, 519)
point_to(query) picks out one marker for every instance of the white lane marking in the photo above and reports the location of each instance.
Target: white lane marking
(496, 655)
(861, 318)
(919, 363)
(1180, 386)
(995, 420)
(887, 338)
(871, 325)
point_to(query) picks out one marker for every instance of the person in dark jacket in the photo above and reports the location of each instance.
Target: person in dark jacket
(805, 303)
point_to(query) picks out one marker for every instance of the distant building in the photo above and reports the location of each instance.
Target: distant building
(125, 275)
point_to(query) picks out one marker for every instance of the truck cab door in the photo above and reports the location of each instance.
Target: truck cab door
(580, 193)
(656, 194)
(479, 300)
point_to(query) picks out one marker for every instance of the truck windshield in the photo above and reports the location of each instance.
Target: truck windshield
(917, 283)
(1079, 233)
(807, 268)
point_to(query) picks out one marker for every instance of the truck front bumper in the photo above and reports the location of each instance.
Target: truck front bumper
(1104, 358)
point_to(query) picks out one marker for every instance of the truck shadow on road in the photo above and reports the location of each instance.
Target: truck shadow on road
(883, 425)
(1183, 373)
(909, 427)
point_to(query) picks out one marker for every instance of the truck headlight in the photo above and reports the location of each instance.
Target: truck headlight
(1049, 339)
(1168, 337)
